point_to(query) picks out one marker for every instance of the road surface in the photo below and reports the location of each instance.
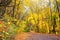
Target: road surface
(36, 36)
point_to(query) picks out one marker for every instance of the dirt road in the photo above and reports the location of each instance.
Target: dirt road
(36, 36)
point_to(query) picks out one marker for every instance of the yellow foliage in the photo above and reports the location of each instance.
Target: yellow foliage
(30, 18)
(9, 23)
(35, 16)
(26, 2)
(33, 22)
(58, 1)
(53, 14)
(17, 2)
(40, 24)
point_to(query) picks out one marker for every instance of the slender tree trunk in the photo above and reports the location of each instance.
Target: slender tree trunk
(58, 8)
(54, 25)
(53, 19)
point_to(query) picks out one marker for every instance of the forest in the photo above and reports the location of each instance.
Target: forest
(40, 16)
